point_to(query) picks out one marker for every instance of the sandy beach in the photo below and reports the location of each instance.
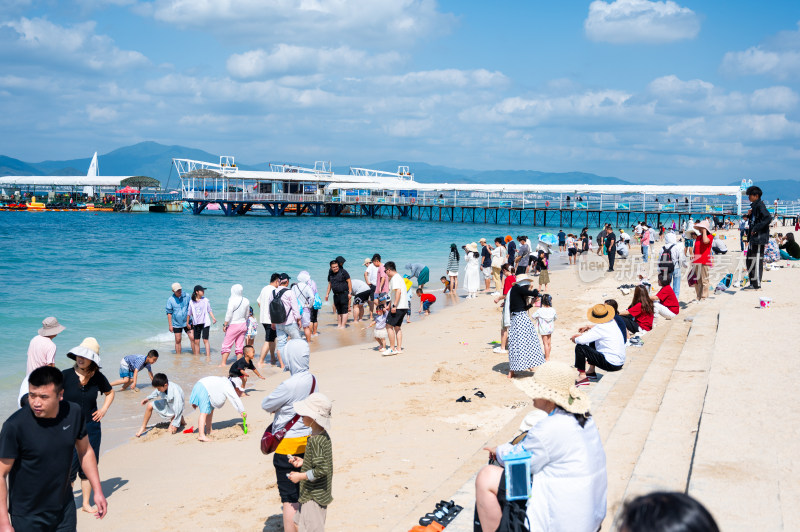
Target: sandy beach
(400, 440)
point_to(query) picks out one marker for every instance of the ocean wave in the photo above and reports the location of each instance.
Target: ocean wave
(161, 338)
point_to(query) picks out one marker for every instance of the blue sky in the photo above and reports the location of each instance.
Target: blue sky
(686, 91)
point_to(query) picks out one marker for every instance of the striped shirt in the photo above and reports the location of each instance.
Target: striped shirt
(135, 362)
(318, 466)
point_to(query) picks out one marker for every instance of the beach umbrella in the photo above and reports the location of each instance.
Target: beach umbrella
(548, 238)
(127, 190)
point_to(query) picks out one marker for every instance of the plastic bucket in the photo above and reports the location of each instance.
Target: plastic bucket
(766, 302)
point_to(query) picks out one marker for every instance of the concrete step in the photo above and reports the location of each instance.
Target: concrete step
(626, 437)
(674, 406)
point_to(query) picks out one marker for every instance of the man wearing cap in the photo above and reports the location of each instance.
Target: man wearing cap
(602, 345)
(759, 219)
(177, 312)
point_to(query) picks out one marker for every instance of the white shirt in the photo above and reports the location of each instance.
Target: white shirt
(372, 274)
(219, 389)
(263, 304)
(607, 339)
(568, 465)
(397, 283)
(638, 229)
(359, 285)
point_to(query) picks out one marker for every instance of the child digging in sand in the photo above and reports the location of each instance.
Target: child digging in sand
(167, 401)
(425, 301)
(211, 393)
(316, 466)
(238, 368)
(131, 365)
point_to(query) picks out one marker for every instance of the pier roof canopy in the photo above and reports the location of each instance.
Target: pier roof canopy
(76, 181)
(650, 190)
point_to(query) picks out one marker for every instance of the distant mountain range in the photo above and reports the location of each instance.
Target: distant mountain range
(155, 160)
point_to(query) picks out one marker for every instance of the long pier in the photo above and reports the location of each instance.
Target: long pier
(496, 211)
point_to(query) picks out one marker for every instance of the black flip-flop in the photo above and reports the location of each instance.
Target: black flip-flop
(463, 399)
(480, 394)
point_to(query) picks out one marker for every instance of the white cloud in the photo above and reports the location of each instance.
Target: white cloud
(380, 23)
(757, 61)
(290, 58)
(781, 99)
(101, 114)
(640, 21)
(431, 80)
(76, 45)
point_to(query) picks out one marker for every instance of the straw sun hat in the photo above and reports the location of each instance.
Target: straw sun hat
(601, 313)
(473, 247)
(316, 406)
(88, 349)
(555, 381)
(704, 224)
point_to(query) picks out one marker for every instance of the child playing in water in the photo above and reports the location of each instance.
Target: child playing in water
(446, 284)
(168, 402)
(545, 318)
(238, 368)
(200, 318)
(379, 322)
(131, 365)
(252, 329)
(210, 393)
(316, 466)
(425, 301)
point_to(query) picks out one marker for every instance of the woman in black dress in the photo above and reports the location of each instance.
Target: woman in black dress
(82, 384)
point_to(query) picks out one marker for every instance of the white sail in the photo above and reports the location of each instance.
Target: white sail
(88, 190)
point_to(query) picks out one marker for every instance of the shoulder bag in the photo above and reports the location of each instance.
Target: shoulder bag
(270, 440)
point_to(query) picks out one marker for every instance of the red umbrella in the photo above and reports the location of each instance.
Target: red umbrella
(128, 190)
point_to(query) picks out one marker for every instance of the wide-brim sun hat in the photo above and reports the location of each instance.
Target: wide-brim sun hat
(50, 327)
(522, 279)
(555, 381)
(89, 349)
(601, 313)
(472, 246)
(704, 224)
(318, 407)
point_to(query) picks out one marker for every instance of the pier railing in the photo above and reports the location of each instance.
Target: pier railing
(591, 204)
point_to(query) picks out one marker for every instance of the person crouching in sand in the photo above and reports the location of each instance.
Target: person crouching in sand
(316, 466)
(211, 393)
(168, 401)
(131, 365)
(238, 368)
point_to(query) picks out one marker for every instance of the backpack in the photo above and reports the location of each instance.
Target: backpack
(665, 265)
(277, 313)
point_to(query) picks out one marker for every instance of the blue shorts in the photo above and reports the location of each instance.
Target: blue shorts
(200, 399)
(125, 373)
(426, 305)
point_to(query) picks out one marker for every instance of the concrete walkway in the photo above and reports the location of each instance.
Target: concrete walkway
(746, 465)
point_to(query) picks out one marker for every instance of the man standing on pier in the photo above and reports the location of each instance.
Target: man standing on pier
(759, 219)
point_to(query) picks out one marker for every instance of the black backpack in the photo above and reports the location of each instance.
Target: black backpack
(665, 265)
(277, 313)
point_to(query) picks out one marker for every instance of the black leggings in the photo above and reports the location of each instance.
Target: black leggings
(630, 324)
(588, 353)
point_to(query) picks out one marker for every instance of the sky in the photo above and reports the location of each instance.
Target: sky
(659, 91)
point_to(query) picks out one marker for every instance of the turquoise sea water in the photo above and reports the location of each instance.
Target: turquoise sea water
(108, 275)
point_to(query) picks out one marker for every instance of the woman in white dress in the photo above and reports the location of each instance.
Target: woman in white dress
(472, 272)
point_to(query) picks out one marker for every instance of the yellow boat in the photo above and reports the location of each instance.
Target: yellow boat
(34, 205)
